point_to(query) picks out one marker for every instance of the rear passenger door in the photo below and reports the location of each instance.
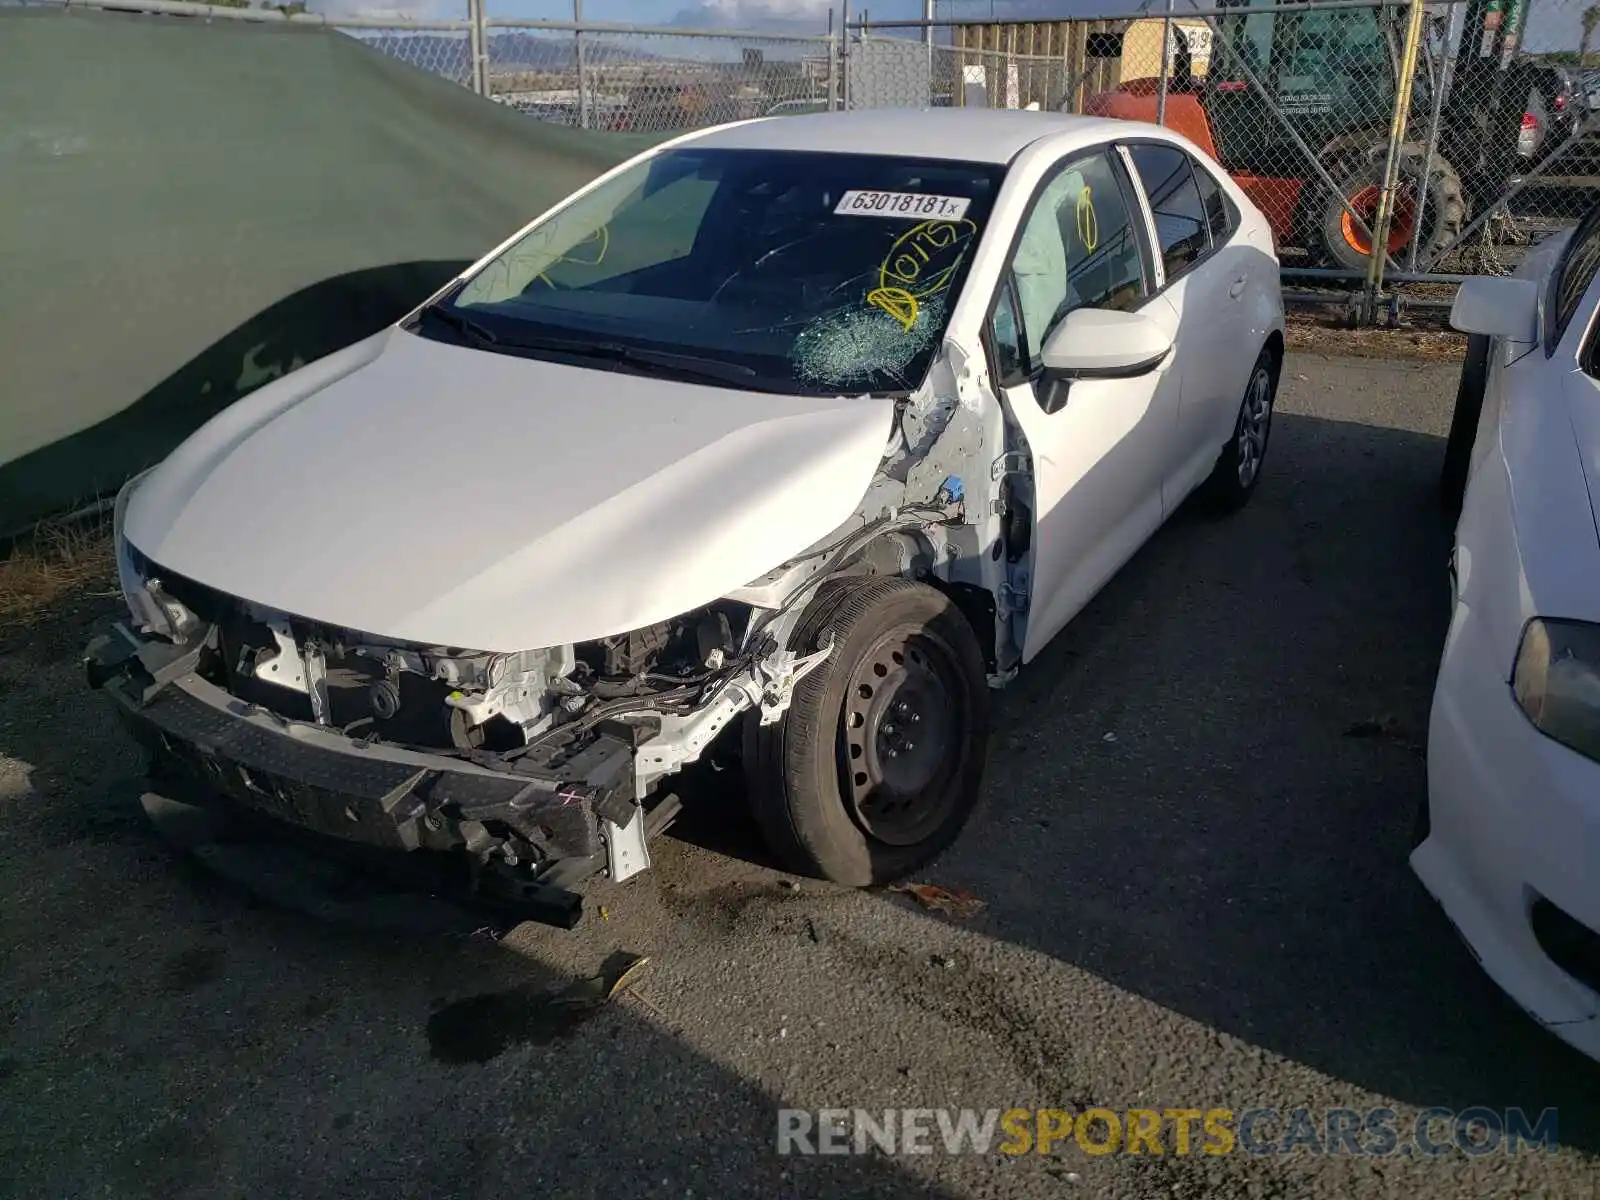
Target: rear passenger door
(1206, 279)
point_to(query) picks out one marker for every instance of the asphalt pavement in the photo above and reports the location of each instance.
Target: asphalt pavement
(1193, 867)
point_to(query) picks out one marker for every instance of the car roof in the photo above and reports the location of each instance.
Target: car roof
(986, 135)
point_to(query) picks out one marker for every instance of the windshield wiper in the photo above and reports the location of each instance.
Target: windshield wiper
(678, 363)
(461, 323)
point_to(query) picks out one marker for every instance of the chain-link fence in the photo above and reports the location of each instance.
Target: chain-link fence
(654, 80)
(1518, 123)
(1021, 65)
(597, 75)
(1299, 105)
(1454, 134)
(446, 52)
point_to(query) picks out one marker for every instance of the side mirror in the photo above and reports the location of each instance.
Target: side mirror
(1097, 343)
(1498, 306)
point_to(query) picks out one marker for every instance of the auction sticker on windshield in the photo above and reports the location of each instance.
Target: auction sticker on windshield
(901, 204)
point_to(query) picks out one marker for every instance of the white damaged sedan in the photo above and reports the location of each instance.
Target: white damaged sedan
(793, 436)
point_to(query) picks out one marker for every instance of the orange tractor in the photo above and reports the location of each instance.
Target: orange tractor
(1286, 88)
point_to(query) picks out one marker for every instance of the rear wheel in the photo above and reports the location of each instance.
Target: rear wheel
(1238, 470)
(1435, 224)
(877, 765)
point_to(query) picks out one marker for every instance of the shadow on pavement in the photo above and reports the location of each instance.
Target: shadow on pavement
(165, 1036)
(1235, 851)
(1204, 790)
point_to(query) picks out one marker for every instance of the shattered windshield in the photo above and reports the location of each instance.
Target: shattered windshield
(800, 272)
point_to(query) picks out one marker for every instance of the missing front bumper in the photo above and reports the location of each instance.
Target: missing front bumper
(532, 824)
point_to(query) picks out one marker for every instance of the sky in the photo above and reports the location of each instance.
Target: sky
(773, 16)
(1554, 24)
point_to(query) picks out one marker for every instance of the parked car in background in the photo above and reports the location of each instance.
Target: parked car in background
(1557, 107)
(1510, 843)
(798, 108)
(790, 438)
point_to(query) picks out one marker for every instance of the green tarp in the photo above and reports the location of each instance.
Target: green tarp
(188, 209)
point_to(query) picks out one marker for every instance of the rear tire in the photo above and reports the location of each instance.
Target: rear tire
(1238, 470)
(1464, 424)
(878, 763)
(1361, 183)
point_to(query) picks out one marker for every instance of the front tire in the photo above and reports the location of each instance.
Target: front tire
(1238, 470)
(877, 765)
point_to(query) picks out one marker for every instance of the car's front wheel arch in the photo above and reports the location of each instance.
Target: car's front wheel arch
(876, 766)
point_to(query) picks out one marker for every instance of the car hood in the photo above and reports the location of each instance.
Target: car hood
(435, 494)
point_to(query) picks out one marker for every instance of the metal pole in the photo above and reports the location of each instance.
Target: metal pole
(833, 66)
(927, 36)
(1391, 167)
(1166, 66)
(1441, 85)
(478, 47)
(582, 63)
(844, 55)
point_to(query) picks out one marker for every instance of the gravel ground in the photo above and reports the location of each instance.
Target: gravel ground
(1193, 858)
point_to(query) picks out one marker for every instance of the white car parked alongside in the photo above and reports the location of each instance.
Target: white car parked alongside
(1511, 838)
(816, 427)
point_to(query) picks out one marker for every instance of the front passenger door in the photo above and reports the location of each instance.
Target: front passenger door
(1098, 445)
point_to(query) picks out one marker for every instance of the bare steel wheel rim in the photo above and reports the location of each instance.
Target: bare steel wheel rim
(901, 732)
(1255, 420)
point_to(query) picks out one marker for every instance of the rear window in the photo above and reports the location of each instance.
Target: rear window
(1220, 216)
(813, 273)
(1181, 227)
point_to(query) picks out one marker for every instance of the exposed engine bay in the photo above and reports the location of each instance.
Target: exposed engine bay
(558, 751)
(439, 699)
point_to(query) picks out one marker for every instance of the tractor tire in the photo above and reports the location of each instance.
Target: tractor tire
(878, 763)
(1342, 242)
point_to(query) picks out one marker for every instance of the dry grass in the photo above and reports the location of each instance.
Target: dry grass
(60, 558)
(1315, 333)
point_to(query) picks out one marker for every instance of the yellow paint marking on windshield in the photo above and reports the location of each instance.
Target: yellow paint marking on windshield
(922, 260)
(897, 302)
(919, 265)
(1088, 221)
(600, 237)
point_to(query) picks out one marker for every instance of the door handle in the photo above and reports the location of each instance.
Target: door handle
(1237, 289)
